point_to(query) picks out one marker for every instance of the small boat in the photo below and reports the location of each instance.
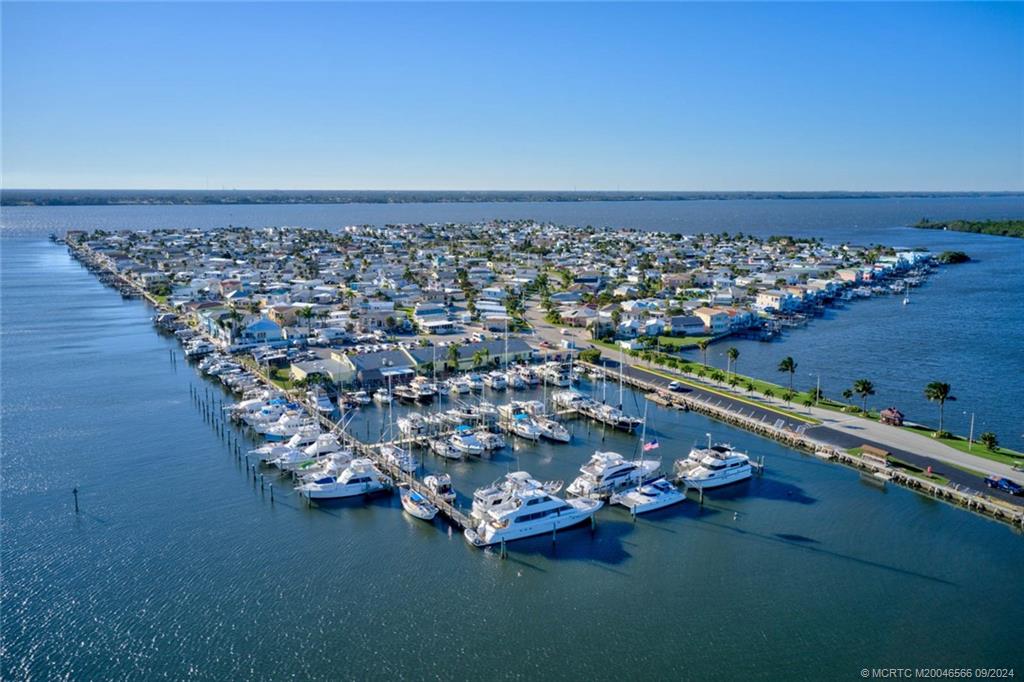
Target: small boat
(650, 496)
(443, 448)
(524, 427)
(466, 441)
(360, 397)
(406, 393)
(491, 441)
(320, 400)
(440, 485)
(405, 460)
(417, 505)
(553, 430)
(495, 381)
(475, 382)
(382, 396)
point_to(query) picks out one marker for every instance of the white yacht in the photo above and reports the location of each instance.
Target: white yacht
(515, 380)
(425, 390)
(270, 452)
(459, 387)
(417, 505)
(490, 441)
(529, 376)
(713, 467)
(304, 437)
(553, 430)
(475, 382)
(524, 427)
(649, 496)
(329, 465)
(466, 441)
(320, 400)
(382, 396)
(608, 472)
(287, 426)
(412, 425)
(401, 458)
(359, 397)
(442, 447)
(441, 485)
(495, 380)
(531, 510)
(359, 478)
(500, 492)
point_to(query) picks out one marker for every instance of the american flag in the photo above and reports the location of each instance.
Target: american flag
(653, 445)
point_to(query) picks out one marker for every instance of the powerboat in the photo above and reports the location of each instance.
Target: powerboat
(524, 427)
(466, 441)
(442, 447)
(359, 397)
(475, 382)
(329, 465)
(713, 467)
(321, 401)
(360, 477)
(425, 391)
(286, 427)
(495, 381)
(406, 393)
(500, 492)
(530, 510)
(304, 437)
(382, 396)
(417, 505)
(514, 380)
(608, 472)
(552, 430)
(440, 485)
(405, 460)
(490, 441)
(412, 425)
(657, 494)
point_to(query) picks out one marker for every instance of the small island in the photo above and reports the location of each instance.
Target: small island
(1002, 228)
(952, 257)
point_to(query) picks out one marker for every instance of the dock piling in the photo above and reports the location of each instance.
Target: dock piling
(74, 491)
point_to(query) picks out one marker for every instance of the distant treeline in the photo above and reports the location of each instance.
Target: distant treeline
(1003, 228)
(26, 197)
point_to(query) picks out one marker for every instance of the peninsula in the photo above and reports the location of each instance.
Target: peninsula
(1001, 228)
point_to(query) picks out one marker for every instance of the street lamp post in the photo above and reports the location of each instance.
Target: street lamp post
(817, 388)
(970, 436)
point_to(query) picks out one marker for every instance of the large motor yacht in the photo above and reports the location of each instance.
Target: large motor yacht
(713, 467)
(359, 478)
(609, 472)
(531, 510)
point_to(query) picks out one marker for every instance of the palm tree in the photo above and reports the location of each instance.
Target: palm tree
(703, 345)
(847, 394)
(769, 393)
(863, 388)
(788, 365)
(939, 392)
(733, 355)
(478, 358)
(453, 356)
(989, 440)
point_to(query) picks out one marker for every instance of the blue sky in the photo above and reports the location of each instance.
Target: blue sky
(514, 96)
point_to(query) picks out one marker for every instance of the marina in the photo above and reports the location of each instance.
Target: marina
(796, 499)
(395, 460)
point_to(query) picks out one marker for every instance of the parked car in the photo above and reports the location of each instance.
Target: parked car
(675, 386)
(1004, 484)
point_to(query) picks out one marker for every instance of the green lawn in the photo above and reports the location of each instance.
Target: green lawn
(282, 378)
(681, 342)
(1003, 455)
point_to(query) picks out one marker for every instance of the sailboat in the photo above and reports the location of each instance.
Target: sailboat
(906, 294)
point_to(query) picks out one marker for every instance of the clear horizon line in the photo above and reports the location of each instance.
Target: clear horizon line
(548, 191)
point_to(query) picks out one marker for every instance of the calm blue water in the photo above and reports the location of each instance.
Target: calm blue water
(178, 568)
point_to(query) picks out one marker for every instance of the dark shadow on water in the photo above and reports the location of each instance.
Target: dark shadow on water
(794, 537)
(604, 545)
(802, 544)
(766, 488)
(333, 507)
